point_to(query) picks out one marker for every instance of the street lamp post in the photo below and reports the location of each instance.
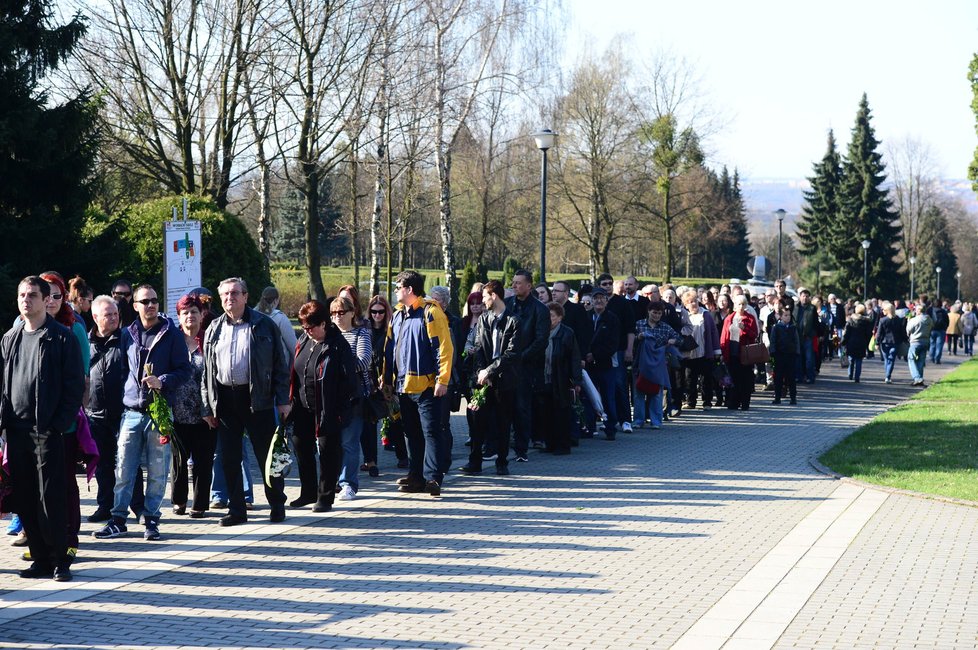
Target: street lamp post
(913, 262)
(780, 212)
(958, 275)
(938, 269)
(865, 245)
(544, 140)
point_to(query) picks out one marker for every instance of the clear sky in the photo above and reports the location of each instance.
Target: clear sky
(781, 73)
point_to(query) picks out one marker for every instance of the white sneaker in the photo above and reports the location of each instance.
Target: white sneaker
(347, 494)
(626, 427)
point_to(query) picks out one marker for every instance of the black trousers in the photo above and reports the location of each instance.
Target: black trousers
(784, 373)
(198, 442)
(554, 421)
(304, 447)
(492, 422)
(696, 370)
(738, 396)
(234, 417)
(37, 472)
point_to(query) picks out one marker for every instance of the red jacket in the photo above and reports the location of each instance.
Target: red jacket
(748, 332)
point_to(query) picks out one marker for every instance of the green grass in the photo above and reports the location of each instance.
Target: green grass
(929, 444)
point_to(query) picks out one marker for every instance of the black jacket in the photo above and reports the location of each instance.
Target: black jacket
(784, 340)
(856, 336)
(565, 367)
(61, 379)
(503, 371)
(534, 319)
(891, 331)
(624, 312)
(337, 382)
(579, 320)
(604, 341)
(105, 375)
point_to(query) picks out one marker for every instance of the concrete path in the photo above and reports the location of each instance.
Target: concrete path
(713, 532)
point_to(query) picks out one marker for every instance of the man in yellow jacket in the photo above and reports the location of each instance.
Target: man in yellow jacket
(418, 365)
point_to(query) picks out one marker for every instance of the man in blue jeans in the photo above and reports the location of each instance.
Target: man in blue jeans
(154, 359)
(418, 365)
(918, 334)
(806, 321)
(938, 316)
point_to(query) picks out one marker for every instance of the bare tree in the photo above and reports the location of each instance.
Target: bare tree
(915, 189)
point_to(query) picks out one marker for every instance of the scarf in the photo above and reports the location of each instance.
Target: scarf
(548, 360)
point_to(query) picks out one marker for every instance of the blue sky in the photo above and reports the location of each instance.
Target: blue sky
(780, 74)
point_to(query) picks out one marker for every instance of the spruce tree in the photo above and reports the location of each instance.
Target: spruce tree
(47, 150)
(821, 207)
(935, 248)
(864, 214)
(737, 253)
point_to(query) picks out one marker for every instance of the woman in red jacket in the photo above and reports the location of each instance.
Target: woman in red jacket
(739, 328)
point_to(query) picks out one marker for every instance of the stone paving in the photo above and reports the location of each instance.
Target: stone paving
(712, 532)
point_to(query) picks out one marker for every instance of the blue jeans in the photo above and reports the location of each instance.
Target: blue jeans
(219, 490)
(937, 345)
(888, 352)
(605, 382)
(139, 445)
(969, 344)
(429, 453)
(350, 440)
(655, 409)
(641, 410)
(855, 368)
(805, 365)
(917, 359)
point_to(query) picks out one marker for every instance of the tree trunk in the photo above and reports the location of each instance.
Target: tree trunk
(354, 211)
(667, 222)
(264, 209)
(445, 215)
(378, 204)
(311, 208)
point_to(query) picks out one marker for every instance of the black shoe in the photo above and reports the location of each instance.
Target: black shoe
(233, 520)
(277, 515)
(502, 470)
(776, 400)
(404, 480)
(403, 464)
(62, 574)
(322, 506)
(469, 469)
(794, 401)
(37, 571)
(412, 487)
(196, 514)
(99, 516)
(373, 471)
(180, 510)
(301, 502)
(433, 488)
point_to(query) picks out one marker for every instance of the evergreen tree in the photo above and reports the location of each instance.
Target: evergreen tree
(737, 253)
(723, 247)
(935, 249)
(821, 207)
(47, 150)
(864, 214)
(287, 242)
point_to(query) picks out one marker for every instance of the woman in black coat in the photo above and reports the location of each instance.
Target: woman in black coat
(324, 384)
(856, 337)
(890, 334)
(556, 381)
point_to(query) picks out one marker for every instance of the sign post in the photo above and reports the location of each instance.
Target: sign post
(181, 260)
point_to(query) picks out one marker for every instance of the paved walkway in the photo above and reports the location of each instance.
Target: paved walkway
(713, 532)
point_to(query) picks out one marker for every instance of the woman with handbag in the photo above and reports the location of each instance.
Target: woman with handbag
(324, 380)
(739, 330)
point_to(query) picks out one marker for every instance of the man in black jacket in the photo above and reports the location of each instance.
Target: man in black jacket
(41, 388)
(602, 358)
(575, 316)
(496, 364)
(104, 409)
(624, 312)
(534, 322)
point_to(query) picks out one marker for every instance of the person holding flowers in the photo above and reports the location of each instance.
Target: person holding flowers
(154, 364)
(496, 366)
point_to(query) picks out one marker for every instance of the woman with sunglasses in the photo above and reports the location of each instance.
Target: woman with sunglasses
(323, 384)
(379, 313)
(344, 315)
(351, 293)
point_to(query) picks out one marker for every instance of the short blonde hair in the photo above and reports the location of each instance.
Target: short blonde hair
(740, 299)
(690, 296)
(860, 308)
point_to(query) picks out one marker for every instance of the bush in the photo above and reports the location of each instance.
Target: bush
(510, 267)
(227, 248)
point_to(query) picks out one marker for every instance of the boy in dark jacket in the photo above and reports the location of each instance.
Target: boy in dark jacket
(785, 347)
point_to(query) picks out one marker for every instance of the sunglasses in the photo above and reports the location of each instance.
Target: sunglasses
(145, 302)
(339, 312)
(378, 312)
(306, 328)
(55, 296)
(122, 294)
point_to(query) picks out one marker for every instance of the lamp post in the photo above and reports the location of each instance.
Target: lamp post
(938, 269)
(544, 139)
(958, 276)
(780, 213)
(913, 262)
(865, 245)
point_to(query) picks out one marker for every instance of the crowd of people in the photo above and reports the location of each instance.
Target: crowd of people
(145, 401)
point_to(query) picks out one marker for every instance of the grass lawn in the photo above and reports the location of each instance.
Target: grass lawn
(929, 444)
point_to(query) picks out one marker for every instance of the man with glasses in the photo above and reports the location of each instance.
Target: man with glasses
(246, 377)
(418, 366)
(534, 320)
(154, 359)
(122, 294)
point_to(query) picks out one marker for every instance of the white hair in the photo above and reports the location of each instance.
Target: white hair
(740, 299)
(442, 295)
(101, 301)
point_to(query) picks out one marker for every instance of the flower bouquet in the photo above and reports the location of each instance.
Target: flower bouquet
(478, 399)
(279, 460)
(160, 413)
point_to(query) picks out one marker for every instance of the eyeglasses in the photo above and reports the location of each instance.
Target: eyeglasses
(338, 312)
(378, 312)
(122, 294)
(145, 302)
(232, 294)
(307, 328)
(55, 296)
(604, 284)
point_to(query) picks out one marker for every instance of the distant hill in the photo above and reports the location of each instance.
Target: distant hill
(765, 195)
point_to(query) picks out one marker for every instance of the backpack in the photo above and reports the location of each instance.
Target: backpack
(941, 321)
